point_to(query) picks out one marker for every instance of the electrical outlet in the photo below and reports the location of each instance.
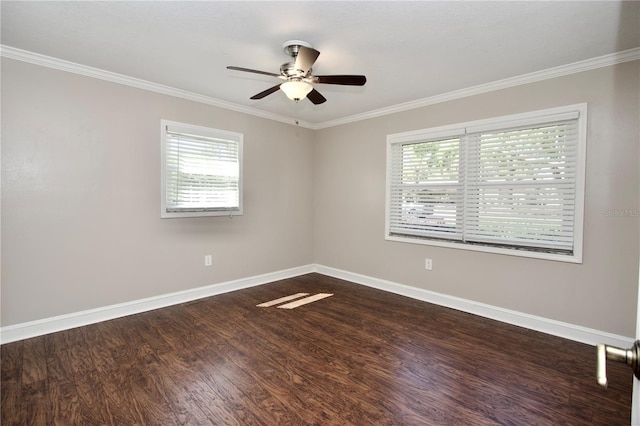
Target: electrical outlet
(428, 264)
(207, 260)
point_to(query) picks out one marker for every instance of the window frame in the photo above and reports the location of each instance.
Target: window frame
(496, 124)
(238, 138)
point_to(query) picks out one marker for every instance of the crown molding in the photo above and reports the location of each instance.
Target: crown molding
(72, 67)
(563, 70)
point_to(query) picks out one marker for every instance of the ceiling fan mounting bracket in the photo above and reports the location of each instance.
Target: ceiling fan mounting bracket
(292, 47)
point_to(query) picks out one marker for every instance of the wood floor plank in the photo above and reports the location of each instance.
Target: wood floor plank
(59, 366)
(110, 334)
(319, 368)
(186, 407)
(92, 399)
(119, 398)
(202, 388)
(362, 356)
(275, 371)
(64, 403)
(149, 398)
(35, 362)
(12, 409)
(264, 407)
(35, 403)
(11, 357)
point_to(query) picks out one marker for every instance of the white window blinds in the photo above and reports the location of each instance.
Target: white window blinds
(513, 185)
(521, 186)
(202, 171)
(427, 189)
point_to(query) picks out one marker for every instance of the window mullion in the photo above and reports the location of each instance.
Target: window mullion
(466, 152)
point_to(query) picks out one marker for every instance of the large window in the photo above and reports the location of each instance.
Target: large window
(201, 171)
(510, 185)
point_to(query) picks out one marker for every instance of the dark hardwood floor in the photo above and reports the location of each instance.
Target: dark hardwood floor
(360, 357)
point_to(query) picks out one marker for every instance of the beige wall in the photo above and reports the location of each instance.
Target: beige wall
(600, 293)
(81, 223)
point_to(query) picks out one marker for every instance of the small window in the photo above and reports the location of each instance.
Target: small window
(201, 171)
(510, 185)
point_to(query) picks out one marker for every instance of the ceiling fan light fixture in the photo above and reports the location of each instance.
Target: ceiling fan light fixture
(298, 76)
(296, 89)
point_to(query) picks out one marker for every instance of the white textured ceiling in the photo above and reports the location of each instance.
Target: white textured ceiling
(408, 50)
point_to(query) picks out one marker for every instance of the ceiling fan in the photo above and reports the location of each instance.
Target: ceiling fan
(297, 74)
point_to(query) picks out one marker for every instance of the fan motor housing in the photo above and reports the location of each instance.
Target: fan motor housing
(289, 70)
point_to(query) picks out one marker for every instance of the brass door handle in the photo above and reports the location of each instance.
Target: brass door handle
(630, 356)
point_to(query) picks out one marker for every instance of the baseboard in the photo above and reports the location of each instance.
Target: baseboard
(577, 333)
(544, 325)
(40, 327)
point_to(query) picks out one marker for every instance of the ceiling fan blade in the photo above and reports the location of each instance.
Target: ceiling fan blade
(315, 97)
(266, 92)
(345, 80)
(305, 59)
(253, 71)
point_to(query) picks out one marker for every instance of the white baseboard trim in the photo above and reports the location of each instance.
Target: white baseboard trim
(577, 333)
(532, 322)
(43, 326)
